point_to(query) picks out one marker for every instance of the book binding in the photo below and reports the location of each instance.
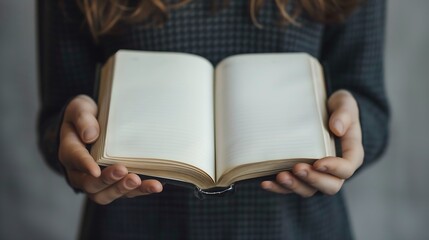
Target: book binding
(214, 192)
(198, 192)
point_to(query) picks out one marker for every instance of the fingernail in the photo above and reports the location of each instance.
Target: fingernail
(339, 126)
(90, 133)
(118, 173)
(302, 174)
(322, 169)
(152, 190)
(287, 182)
(131, 183)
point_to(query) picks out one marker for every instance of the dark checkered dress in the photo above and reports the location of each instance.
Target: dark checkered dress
(351, 52)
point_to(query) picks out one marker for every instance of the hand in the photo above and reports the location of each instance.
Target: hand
(327, 175)
(80, 127)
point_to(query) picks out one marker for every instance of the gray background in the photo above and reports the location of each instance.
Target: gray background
(387, 201)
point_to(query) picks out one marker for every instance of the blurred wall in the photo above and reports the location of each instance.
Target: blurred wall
(391, 199)
(388, 201)
(35, 203)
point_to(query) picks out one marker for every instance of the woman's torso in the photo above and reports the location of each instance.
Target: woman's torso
(250, 213)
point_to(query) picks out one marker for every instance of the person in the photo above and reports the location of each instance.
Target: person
(304, 203)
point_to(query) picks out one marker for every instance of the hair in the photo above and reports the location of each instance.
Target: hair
(104, 16)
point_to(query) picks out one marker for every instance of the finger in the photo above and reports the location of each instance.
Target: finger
(108, 176)
(146, 187)
(340, 120)
(117, 190)
(274, 187)
(81, 112)
(323, 182)
(338, 167)
(351, 145)
(73, 153)
(344, 122)
(290, 182)
(344, 112)
(341, 98)
(352, 155)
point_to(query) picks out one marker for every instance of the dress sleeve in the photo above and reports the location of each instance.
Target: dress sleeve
(352, 55)
(67, 60)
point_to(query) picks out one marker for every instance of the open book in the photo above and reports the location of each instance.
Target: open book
(174, 116)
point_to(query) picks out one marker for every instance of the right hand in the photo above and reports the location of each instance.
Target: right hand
(80, 127)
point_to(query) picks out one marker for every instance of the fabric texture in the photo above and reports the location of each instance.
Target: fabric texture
(351, 53)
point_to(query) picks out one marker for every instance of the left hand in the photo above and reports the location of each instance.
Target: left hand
(327, 175)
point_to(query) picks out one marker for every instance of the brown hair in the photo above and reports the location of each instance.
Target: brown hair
(103, 16)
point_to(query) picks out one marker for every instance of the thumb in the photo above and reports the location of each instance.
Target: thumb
(344, 112)
(81, 113)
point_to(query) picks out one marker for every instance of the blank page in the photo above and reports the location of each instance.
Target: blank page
(162, 108)
(266, 109)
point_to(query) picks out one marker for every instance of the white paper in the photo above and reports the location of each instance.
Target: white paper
(162, 108)
(266, 109)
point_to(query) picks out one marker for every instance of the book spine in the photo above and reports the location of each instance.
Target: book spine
(214, 192)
